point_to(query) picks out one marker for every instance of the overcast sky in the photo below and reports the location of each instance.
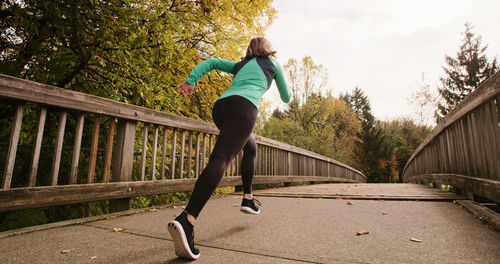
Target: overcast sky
(381, 46)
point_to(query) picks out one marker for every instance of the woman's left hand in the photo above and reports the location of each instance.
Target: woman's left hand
(185, 89)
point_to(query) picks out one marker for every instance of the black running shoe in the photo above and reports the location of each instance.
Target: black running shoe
(182, 233)
(249, 207)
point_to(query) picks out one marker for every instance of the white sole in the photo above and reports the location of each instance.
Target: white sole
(248, 210)
(181, 245)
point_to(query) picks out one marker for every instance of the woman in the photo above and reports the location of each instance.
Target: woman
(234, 113)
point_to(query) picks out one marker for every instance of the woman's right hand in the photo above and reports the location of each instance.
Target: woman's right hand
(185, 89)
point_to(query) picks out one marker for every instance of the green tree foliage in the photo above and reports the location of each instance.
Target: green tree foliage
(304, 79)
(402, 138)
(324, 125)
(128, 50)
(464, 73)
(369, 149)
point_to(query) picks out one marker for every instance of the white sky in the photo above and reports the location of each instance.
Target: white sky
(381, 46)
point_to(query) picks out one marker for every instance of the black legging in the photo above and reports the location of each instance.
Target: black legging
(235, 117)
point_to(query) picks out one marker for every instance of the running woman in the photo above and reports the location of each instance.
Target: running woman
(234, 114)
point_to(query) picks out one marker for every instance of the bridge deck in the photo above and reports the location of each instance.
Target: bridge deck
(289, 230)
(362, 191)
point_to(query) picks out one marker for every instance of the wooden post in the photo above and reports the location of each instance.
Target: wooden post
(76, 149)
(123, 158)
(11, 154)
(153, 158)
(37, 147)
(144, 150)
(109, 150)
(93, 150)
(58, 149)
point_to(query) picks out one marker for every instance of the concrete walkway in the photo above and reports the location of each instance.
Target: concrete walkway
(289, 230)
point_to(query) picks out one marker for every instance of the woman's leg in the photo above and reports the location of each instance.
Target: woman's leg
(235, 116)
(248, 165)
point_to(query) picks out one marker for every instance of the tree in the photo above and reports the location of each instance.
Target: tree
(423, 101)
(133, 51)
(304, 79)
(369, 149)
(464, 73)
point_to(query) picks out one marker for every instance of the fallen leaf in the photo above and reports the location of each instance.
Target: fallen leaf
(384, 213)
(119, 229)
(363, 195)
(362, 233)
(152, 210)
(339, 198)
(348, 203)
(415, 240)
(111, 217)
(323, 194)
(93, 257)
(67, 251)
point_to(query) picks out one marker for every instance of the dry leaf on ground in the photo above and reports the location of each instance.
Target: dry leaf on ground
(384, 213)
(93, 257)
(415, 240)
(119, 229)
(111, 217)
(152, 210)
(362, 233)
(348, 203)
(67, 251)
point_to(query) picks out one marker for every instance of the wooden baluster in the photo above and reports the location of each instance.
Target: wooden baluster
(204, 152)
(172, 155)
(190, 155)
(76, 149)
(144, 150)
(153, 158)
(109, 150)
(93, 150)
(14, 141)
(197, 162)
(37, 146)
(123, 160)
(163, 153)
(58, 148)
(181, 158)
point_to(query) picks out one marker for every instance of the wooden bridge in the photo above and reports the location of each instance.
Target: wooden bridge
(136, 152)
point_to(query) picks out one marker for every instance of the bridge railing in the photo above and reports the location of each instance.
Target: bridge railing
(67, 147)
(464, 148)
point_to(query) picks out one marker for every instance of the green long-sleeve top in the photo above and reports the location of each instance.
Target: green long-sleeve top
(252, 77)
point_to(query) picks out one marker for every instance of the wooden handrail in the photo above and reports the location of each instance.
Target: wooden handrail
(173, 151)
(463, 150)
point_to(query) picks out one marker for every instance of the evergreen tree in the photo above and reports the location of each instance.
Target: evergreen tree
(464, 73)
(369, 150)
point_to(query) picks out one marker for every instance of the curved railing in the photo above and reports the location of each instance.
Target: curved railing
(86, 148)
(464, 148)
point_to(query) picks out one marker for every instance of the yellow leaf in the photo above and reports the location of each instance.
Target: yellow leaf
(384, 213)
(119, 229)
(348, 203)
(415, 240)
(111, 217)
(67, 251)
(362, 233)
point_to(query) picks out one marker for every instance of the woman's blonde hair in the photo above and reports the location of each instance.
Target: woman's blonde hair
(259, 46)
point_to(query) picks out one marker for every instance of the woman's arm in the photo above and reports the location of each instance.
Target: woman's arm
(281, 82)
(208, 65)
